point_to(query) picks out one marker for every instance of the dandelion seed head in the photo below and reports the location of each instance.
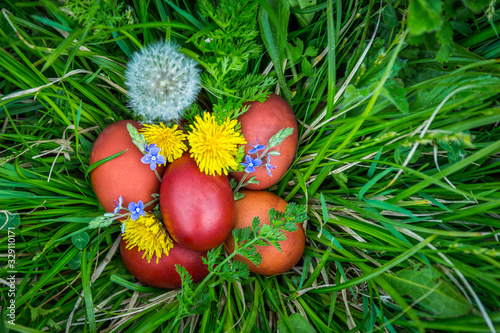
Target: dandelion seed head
(162, 82)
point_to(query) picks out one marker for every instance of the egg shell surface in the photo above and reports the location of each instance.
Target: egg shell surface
(124, 175)
(260, 123)
(197, 209)
(163, 273)
(258, 203)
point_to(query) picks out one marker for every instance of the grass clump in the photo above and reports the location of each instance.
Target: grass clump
(398, 162)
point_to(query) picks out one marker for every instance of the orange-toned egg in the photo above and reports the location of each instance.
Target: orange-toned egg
(124, 175)
(260, 123)
(258, 203)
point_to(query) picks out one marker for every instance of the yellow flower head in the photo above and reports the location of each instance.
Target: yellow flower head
(169, 139)
(147, 233)
(213, 146)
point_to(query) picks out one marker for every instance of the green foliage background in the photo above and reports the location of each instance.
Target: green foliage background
(398, 161)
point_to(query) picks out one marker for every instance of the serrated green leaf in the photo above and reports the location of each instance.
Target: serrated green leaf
(100, 222)
(39, 311)
(278, 138)
(311, 51)
(80, 240)
(424, 16)
(434, 294)
(9, 220)
(307, 67)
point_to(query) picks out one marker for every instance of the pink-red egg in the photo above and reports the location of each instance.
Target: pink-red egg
(124, 175)
(197, 209)
(259, 124)
(163, 274)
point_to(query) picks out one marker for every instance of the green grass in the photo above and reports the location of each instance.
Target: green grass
(398, 163)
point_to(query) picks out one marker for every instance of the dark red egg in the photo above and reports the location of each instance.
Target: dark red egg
(163, 274)
(260, 123)
(197, 209)
(124, 175)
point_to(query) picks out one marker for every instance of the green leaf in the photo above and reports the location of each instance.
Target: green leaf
(101, 162)
(273, 22)
(9, 220)
(298, 323)
(306, 18)
(307, 67)
(445, 37)
(278, 138)
(401, 153)
(396, 94)
(476, 5)
(80, 240)
(76, 261)
(424, 16)
(372, 182)
(100, 222)
(482, 87)
(455, 153)
(389, 16)
(39, 311)
(434, 294)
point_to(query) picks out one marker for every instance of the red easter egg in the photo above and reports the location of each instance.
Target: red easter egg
(197, 209)
(258, 203)
(259, 124)
(124, 175)
(163, 273)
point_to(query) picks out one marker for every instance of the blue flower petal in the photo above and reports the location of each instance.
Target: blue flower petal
(146, 159)
(152, 165)
(154, 150)
(131, 206)
(160, 159)
(248, 159)
(134, 216)
(256, 147)
(140, 205)
(249, 168)
(257, 162)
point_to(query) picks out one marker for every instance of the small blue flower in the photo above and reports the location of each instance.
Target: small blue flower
(251, 163)
(152, 157)
(269, 167)
(118, 205)
(256, 148)
(136, 209)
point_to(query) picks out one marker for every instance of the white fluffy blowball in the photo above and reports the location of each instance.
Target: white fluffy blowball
(161, 82)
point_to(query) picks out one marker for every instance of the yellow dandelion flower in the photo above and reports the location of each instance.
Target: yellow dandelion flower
(147, 233)
(214, 146)
(168, 139)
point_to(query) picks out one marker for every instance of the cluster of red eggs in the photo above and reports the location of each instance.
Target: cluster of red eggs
(199, 210)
